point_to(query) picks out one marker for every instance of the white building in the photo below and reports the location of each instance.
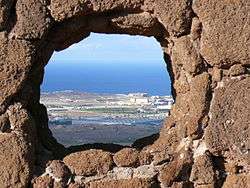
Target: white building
(138, 95)
(164, 107)
(139, 101)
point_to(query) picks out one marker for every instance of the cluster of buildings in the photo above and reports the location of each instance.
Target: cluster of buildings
(75, 105)
(144, 100)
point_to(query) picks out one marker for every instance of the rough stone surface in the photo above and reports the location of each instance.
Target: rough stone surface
(223, 40)
(237, 70)
(75, 185)
(235, 181)
(43, 181)
(203, 143)
(5, 12)
(177, 170)
(229, 119)
(59, 169)
(59, 172)
(14, 66)
(17, 153)
(202, 171)
(127, 157)
(4, 123)
(185, 55)
(145, 158)
(32, 20)
(136, 182)
(65, 9)
(90, 162)
(177, 23)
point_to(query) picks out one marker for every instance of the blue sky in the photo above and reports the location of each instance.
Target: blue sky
(112, 47)
(109, 64)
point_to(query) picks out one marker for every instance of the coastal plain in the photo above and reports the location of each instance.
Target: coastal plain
(77, 118)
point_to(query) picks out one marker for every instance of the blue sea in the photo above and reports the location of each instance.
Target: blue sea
(114, 77)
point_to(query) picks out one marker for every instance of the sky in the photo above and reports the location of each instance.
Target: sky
(105, 63)
(112, 47)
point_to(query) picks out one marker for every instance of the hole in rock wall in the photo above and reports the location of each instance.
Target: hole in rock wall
(107, 89)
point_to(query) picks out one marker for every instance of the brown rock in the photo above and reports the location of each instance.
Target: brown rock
(4, 123)
(196, 29)
(190, 108)
(199, 102)
(202, 171)
(13, 66)
(75, 185)
(182, 185)
(237, 70)
(229, 119)
(164, 147)
(230, 168)
(17, 149)
(162, 157)
(91, 162)
(178, 169)
(217, 74)
(224, 41)
(235, 181)
(133, 183)
(150, 24)
(206, 186)
(5, 8)
(181, 85)
(185, 55)
(32, 21)
(43, 181)
(60, 171)
(127, 157)
(17, 157)
(145, 158)
(66, 9)
(59, 184)
(70, 33)
(176, 16)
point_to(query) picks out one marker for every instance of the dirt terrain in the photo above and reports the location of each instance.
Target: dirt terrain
(89, 134)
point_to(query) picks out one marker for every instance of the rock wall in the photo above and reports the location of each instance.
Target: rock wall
(205, 141)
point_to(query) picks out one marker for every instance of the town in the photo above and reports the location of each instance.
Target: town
(137, 113)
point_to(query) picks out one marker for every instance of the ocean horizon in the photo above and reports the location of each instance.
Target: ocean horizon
(109, 77)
